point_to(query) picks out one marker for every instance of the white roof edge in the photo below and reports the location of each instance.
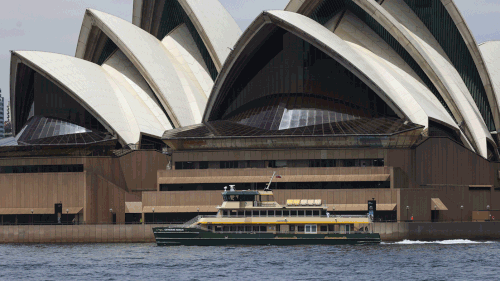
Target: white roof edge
(137, 13)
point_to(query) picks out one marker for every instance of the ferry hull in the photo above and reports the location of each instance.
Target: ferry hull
(196, 237)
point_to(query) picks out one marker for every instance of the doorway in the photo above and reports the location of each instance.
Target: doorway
(435, 216)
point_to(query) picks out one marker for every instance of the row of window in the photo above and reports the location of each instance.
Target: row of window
(278, 185)
(273, 213)
(78, 168)
(194, 165)
(308, 228)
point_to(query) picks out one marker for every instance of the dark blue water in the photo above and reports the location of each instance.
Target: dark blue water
(452, 260)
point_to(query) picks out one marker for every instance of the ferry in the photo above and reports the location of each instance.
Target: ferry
(252, 217)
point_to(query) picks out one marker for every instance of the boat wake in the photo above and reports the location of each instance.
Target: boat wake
(441, 242)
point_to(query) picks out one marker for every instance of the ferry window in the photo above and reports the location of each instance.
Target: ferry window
(262, 213)
(311, 228)
(241, 213)
(331, 227)
(226, 228)
(324, 228)
(279, 213)
(209, 227)
(233, 227)
(294, 213)
(286, 213)
(218, 228)
(255, 213)
(225, 213)
(248, 228)
(292, 227)
(248, 213)
(263, 228)
(301, 213)
(270, 213)
(309, 213)
(255, 228)
(316, 213)
(241, 228)
(278, 227)
(323, 213)
(300, 228)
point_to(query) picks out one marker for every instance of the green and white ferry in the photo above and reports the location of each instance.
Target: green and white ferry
(251, 217)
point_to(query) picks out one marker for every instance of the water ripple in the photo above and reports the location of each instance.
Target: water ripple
(411, 260)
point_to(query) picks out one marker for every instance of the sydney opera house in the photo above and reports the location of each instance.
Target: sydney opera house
(342, 100)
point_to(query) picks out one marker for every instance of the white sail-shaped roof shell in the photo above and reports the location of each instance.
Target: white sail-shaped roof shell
(179, 96)
(90, 85)
(375, 73)
(213, 23)
(400, 21)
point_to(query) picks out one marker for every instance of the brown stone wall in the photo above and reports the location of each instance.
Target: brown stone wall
(332, 196)
(105, 233)
(41, 190)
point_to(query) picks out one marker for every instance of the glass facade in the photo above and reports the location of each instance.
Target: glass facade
(107, 51)
(43, 130)
(292, 78)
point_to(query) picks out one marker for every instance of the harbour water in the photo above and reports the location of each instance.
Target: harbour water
(407, 260)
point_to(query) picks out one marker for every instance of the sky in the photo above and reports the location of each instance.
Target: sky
(54, 25)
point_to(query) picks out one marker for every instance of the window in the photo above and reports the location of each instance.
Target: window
(315, 213)
(311, 228)
(270, 213)
(279, 213)
(322, 163)
(324, 228)
(184, 165)
(292, 227)
(293, 213)
(228, 164)
(286, 213)
(248, 228)
(203, 165)
(309, 213)
(301, 213)
(255, 213)
(241, 213)
(255, 228)
(349, 163)
(41, 169)
(263, 213)
(300, 228)
(263, 228)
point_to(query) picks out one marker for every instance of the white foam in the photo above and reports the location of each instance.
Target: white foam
(442, 242)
